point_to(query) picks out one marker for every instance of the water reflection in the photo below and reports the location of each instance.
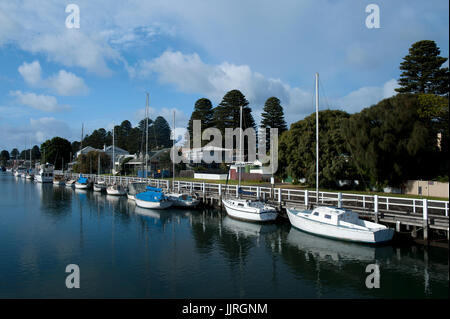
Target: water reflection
(174, 252)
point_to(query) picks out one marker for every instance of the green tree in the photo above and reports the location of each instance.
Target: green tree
(227, 113)
(4, 157)
(273, 117)
(56, 150)
(75, 148)
(15, 153)
(297, 150)
(422, 71)
(88, 163)
(203, 111)
(161, 131)
(391, 143)
(35, 152)
(97, 139)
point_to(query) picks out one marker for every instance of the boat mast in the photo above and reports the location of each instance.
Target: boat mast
(98, 168)
(240, 151)
(317, 137)
(113, 159)
(146, 134)
(173, 154)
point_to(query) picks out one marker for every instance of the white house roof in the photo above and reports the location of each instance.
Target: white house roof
(116, 149)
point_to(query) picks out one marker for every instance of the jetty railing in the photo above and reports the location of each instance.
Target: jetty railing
(434, 211)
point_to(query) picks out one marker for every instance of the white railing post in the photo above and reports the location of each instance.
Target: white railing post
(306, 199)
(375, 207)
(258, 192)
(425, 219)
(237, 191)
(220, 190)
(425, 209)
(279, 195)
(339, 200)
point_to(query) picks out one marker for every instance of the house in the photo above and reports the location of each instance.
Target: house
(205, 154)
(86, 150)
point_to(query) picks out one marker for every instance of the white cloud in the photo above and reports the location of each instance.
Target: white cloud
(367, 96)
(35, 131)
(41, 102)
(63, 82)
(188, 73)
(31, 72)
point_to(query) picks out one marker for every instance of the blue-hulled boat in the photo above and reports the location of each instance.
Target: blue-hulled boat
(153, 198)
(83, 183)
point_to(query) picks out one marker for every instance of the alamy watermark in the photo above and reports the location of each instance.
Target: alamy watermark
(73, 280)
(373, 19)
(216, 152)
(373, 279)
(73, 19)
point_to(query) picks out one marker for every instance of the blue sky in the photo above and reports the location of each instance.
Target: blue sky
(53, 79)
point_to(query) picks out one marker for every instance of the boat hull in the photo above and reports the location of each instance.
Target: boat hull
(131, 197)
(338, 232)
(248, 213)
(115, 192)
(153, 205)
(99, 188)
(42, 179)
(82, 186)
(59, 183)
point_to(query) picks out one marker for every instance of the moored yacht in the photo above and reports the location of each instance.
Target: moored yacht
(59, 180)
(338, 223)
(183, 200)
(135, 188)
(333, 222)
(70, 182)
(83, 183)
(247, 209)
(152, 198)
(116, 190)
(45, 174)
(100, 186)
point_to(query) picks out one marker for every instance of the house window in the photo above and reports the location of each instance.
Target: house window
(420, 190)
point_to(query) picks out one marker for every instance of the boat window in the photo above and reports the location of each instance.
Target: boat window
(240, 204)
(316, 214)
(328, 216)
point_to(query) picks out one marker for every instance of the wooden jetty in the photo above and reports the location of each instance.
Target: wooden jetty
(405, 214)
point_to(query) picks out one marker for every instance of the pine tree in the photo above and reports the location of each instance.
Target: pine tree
(273, 117)
(227, 113)
(422, 72)
(203, 111)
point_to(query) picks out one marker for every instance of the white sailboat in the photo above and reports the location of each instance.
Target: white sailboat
(179, 200)
(152, 197)
(246, 209)
(116, 190)
(83, 183)
(333, 222)
(99, 186)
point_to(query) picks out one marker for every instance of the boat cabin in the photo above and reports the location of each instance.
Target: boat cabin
(333, 215)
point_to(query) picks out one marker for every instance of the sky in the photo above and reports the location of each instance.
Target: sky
(53, 78)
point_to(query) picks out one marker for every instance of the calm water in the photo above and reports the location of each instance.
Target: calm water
(128, 252)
